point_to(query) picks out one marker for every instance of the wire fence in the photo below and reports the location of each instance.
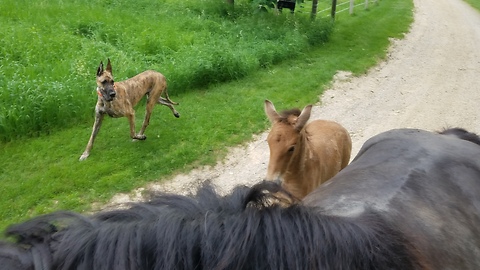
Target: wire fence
(351, 5)
(343, 6)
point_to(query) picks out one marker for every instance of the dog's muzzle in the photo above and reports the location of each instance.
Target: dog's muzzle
(112, 94)
(108, 94)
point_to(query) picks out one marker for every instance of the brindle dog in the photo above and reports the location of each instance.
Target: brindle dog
(117, 99)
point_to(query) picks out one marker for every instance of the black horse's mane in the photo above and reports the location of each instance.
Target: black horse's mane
(242, 230)
(461, 134)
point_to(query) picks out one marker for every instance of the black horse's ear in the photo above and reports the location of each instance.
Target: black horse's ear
(100, 69)
(109, 66)
(14, 257)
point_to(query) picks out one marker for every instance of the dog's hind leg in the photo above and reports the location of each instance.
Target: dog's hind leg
(146, 121)
(167, 98)
(131, 120)
(96, 127)
(169, 104)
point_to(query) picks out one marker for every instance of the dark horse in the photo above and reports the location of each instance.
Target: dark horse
(409, 200)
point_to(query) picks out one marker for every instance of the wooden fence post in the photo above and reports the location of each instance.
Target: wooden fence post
(366, 4)
(334, 8)
(313, 15)
(352, 4)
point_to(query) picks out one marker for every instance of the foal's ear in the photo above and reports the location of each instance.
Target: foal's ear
(100, 69)
(109, 66)
(270, 111)
(303, 117)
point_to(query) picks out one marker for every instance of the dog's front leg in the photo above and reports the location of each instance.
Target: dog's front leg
(96, 127)
(133, 135)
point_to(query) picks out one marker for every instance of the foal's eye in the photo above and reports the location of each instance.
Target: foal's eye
(290, 150)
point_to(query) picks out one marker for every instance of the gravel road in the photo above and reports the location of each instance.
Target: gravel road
(430, 80)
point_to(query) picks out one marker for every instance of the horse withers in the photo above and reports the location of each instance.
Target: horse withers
(304, 155)
(409, 200)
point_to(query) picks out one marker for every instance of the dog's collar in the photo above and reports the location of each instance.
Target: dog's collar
(99, 93)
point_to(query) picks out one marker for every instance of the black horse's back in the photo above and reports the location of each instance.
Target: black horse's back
(426, 183)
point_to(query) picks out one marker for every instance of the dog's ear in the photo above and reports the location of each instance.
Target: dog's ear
(100, 69)
(109, 66)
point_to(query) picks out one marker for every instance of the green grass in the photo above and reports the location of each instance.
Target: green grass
(474, 3)
(43, 174)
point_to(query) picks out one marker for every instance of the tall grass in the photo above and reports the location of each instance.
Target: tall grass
(49, 51)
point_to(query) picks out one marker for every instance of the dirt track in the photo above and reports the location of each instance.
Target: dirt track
(429, 81)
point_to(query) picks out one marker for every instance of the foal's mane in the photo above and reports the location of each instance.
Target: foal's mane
(207, 231)
(286, 113)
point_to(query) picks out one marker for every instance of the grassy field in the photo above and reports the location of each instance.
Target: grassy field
(49, 51)
(43, 174)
